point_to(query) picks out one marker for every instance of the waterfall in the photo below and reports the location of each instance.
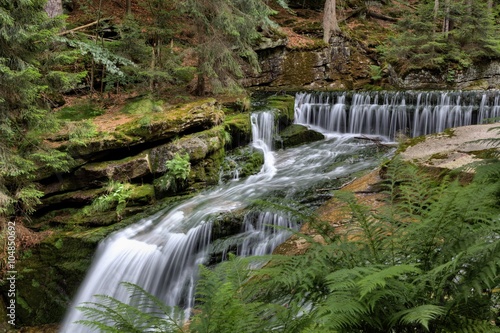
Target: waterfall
(264, 233)
(389, 114)
(161, 253)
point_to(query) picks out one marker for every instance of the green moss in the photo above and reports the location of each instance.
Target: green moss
(486, 153)
(299, 69)
(80, 111)
(294, 135)
(142, 195)
(142, 106)
(449, 132)
(410, 143)
(438, 156)
(285, 105)
(240, 122)
(48, 279)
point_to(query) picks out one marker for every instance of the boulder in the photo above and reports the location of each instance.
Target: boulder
(295, 135)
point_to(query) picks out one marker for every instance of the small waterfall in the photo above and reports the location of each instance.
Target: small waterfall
(162, 253)
(263, 134)
(264, 233)
(391, 113)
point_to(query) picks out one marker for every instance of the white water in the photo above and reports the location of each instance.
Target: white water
(162, 253)
(391, 113)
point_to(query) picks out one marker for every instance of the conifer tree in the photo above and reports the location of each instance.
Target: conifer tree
(445, 35)
(25, 35)
(227, 30)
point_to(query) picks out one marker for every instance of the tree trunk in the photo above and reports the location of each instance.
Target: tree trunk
(446, 21)
(128, 7)
(53, 8)
(330, 23)
(436, 10)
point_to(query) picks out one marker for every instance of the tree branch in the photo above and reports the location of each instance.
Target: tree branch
(82, 27)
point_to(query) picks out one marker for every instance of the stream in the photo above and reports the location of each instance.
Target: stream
(161, 253)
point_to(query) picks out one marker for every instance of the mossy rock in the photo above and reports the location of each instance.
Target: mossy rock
(243, 162)
(192, 117)
(285, 106)
(126, 169)
(48, 277)
(198, 146)
(295, 135)
(240, 129)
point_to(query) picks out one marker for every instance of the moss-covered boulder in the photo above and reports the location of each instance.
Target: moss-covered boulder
(242, 162)
(198, 146)
(190, 118)
(285, 108)
(239, 128)
(148, 121)
(126, 169)
(295, 135)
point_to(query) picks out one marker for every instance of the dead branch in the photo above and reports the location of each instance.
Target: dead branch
(380, 16)
(82, 27)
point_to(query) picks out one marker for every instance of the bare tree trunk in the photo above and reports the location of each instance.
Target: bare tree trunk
(128, 7)
(53, 8)
(436, 10)
(330, 23)
(446, 21)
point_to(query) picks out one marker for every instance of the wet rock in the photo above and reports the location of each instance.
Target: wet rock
(295, 135)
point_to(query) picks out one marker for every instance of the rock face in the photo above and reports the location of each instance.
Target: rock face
(479, 76)
(341, 65)
(345, 65)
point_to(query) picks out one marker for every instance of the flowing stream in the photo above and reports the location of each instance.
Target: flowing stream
(162, 252)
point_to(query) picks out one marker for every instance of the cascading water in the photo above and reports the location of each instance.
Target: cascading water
(161, 253)
(390, 113)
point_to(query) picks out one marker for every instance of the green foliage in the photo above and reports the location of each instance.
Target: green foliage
(453, 37)
(224, 304)
(147, 314)
(29, 76)
(375, 72)
(227, 29)
(101, 55)
(116, 196)
(80, 132)
(175, 178)
(423, 263)
(179, 166)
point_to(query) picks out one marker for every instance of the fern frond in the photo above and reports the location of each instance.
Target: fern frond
(467, 325)
(420, 315)
(379, 278)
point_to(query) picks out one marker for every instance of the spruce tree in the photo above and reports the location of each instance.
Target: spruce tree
(444, 36)
(26, 35)
(227, 31)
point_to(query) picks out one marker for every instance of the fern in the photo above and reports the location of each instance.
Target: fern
(116, 196)
(146, 314)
